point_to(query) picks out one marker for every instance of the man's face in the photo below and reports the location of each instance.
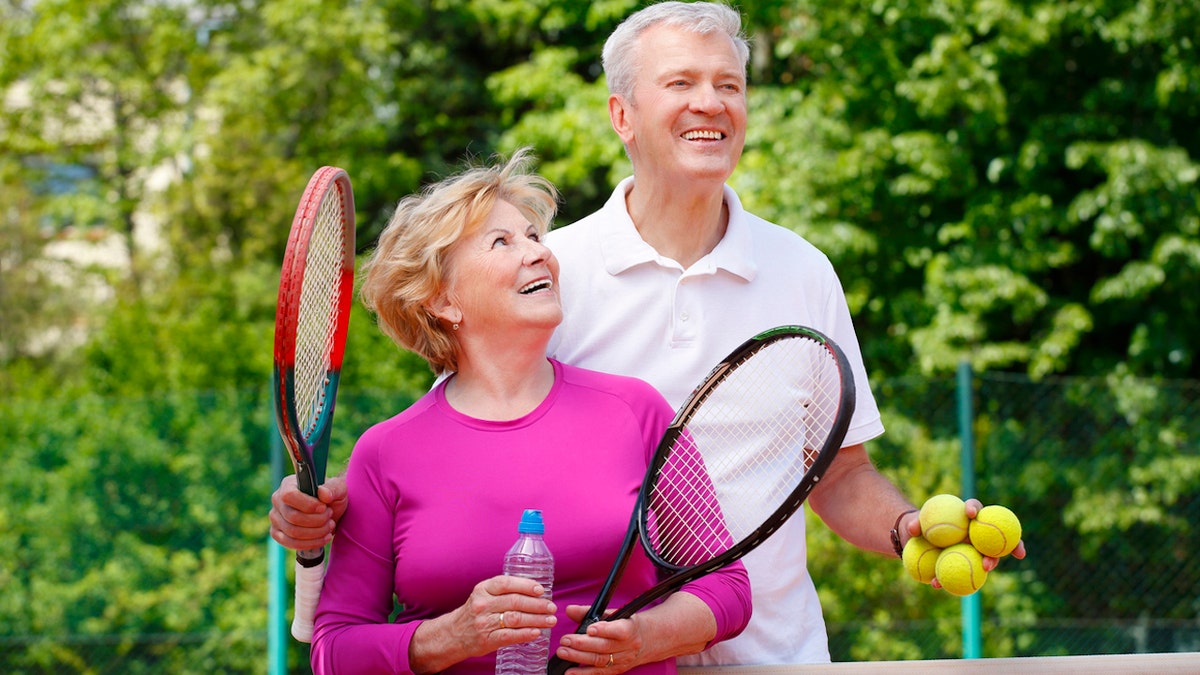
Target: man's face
(687, 116)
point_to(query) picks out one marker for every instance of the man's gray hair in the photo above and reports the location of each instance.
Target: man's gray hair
(620, 56)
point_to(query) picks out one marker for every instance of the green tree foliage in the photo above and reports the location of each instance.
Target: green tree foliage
(1018, 176)
(30, 303)
(133, 516)
(1012, 183)
(97, 85)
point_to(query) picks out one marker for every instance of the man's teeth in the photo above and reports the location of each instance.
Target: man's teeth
(703, 135)
(543, 285)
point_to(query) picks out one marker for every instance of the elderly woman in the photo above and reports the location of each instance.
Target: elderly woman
(461, 277)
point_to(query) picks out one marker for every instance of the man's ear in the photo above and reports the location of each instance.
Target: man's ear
(618, 115)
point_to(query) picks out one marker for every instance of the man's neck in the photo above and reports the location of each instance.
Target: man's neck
(681, 225)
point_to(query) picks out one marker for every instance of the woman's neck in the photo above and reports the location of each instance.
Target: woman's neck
(500, 389)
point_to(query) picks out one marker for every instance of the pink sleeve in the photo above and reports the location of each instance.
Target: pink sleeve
(727, 594)
(352, 633)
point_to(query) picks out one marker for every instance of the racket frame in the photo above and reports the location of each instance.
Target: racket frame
(638, 528)
(308, 448)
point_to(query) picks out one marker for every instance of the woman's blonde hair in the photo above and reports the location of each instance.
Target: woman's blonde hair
(407, 271)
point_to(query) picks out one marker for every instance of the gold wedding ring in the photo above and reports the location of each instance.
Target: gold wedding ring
(502, 624)
(610, 661)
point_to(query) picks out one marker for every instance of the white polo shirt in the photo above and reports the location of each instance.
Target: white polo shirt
(630, 311)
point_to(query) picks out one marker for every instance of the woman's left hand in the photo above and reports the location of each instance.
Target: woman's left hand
(609, 647)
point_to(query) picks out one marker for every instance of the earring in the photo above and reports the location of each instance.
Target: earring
(455, 326)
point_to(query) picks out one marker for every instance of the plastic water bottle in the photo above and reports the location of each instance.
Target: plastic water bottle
(528, 558)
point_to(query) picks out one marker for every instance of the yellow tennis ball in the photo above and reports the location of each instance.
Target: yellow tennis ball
(944, 520)
(920, 559)
(960, 569)
(995, 531)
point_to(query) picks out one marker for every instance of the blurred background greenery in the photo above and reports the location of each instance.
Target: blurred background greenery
(1007, 183)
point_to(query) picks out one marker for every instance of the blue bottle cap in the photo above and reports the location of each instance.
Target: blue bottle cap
(531, 522)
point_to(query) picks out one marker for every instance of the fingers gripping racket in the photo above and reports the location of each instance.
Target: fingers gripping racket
(740, 457)
(311, 321)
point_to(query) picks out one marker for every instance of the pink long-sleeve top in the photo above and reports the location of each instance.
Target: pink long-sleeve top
(436, 498)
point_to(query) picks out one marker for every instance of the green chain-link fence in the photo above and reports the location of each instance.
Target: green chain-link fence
(1105, 475)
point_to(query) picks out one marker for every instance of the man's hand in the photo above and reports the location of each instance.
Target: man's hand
(301, 522)
(972, 506)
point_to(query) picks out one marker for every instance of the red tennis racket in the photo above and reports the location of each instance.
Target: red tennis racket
(311, 322)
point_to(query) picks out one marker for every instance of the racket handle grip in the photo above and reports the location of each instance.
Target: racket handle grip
(309, 581)
(559, 666)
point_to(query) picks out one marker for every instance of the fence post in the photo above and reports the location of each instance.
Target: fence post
(971, 632)
(277, 630)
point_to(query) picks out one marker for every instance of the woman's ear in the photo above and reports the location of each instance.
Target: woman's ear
(444, 308)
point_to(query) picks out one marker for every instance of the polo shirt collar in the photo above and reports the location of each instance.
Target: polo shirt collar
(622, 247)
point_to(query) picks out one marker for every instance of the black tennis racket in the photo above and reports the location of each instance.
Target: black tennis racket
(738, 460)
(311, 322)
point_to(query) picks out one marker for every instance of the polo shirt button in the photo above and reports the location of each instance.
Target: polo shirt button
(684, 316)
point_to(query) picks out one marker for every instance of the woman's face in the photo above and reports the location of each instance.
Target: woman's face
(502, 278)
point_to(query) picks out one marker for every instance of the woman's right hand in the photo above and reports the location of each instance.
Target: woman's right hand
(500, 611)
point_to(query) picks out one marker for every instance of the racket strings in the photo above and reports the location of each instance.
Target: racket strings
(744, 451)
(320, 299)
